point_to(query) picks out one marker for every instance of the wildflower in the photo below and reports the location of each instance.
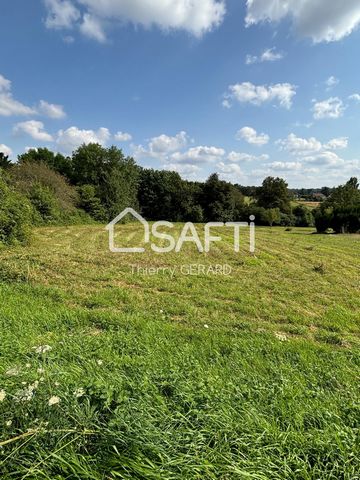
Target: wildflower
(54, 400)
(40, 370)
(57, 384)
(28, 365)
(80, 392)
(161, 311)
(281, 337)
(26, 394)
(8, 423)
(42, 349)
(12, 372)
(206, 326)
(99, 362)
(2, 395)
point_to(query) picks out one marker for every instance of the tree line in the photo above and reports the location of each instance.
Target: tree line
(95, 184)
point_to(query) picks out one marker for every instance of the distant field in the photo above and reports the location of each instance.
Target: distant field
(249, 376)
(311, 205)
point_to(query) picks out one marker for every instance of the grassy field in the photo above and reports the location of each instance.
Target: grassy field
(110, 374)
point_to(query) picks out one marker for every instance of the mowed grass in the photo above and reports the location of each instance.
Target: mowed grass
(254, 375)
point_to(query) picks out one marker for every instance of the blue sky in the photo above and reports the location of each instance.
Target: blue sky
(245, 88)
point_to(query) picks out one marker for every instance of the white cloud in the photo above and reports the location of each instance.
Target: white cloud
(61, 14)
(183, 169)
(5, 150)
(321, 20)
(245, 157)
(298, 146)
(33, 128)
(285, 166)
(331, 82)
(331, 108)
(51, 110)
(337, 143)
(355, 97)
(70, 139)
(91, 27)
(281, 93)
(8, 105)
(164, 144)
(230, 172)
(305, 146)
(250, 136)
(122, 137)
(329, 159)
(268, 55)
(196, 17)
(199, 154)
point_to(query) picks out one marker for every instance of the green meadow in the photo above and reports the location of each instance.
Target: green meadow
(110, 373)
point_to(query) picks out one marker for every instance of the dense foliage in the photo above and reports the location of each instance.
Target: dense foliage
(15, 214)
(341, 210)
(97, 183)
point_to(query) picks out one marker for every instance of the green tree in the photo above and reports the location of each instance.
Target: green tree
(5, 163)
(55, 161)
(274, 193)
(114, 176)
(272, 215)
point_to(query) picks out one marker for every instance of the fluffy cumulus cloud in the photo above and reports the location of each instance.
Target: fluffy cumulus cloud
(251, 136)
(355, 97)
(280, 93)
(122, 137)
(70, 139)
(33, 128)
(321, 20)
(285, 166)
(199, 154)
(245, 157)
(9, 106)
(304, 146)
(164, 144)
(230, 172)
(268, 55)
(331, 108)
(185, 169)
(92, 16)
(5, 150)
(51, 110)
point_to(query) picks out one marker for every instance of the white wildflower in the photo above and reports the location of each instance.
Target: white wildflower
(80, 392)
(28, 365)
(42, 349)
(281, 337)
(2, 395)
(27, 393)
(40, 370)
(12, 372)
(8, 423)
(99, 362)
(54, 400)
(206, 326)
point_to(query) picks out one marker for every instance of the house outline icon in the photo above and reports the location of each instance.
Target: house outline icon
(111, 229)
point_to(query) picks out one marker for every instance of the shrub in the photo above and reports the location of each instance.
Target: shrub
(27, 174)
(15, 214)
(45, 203)
(90, 202)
